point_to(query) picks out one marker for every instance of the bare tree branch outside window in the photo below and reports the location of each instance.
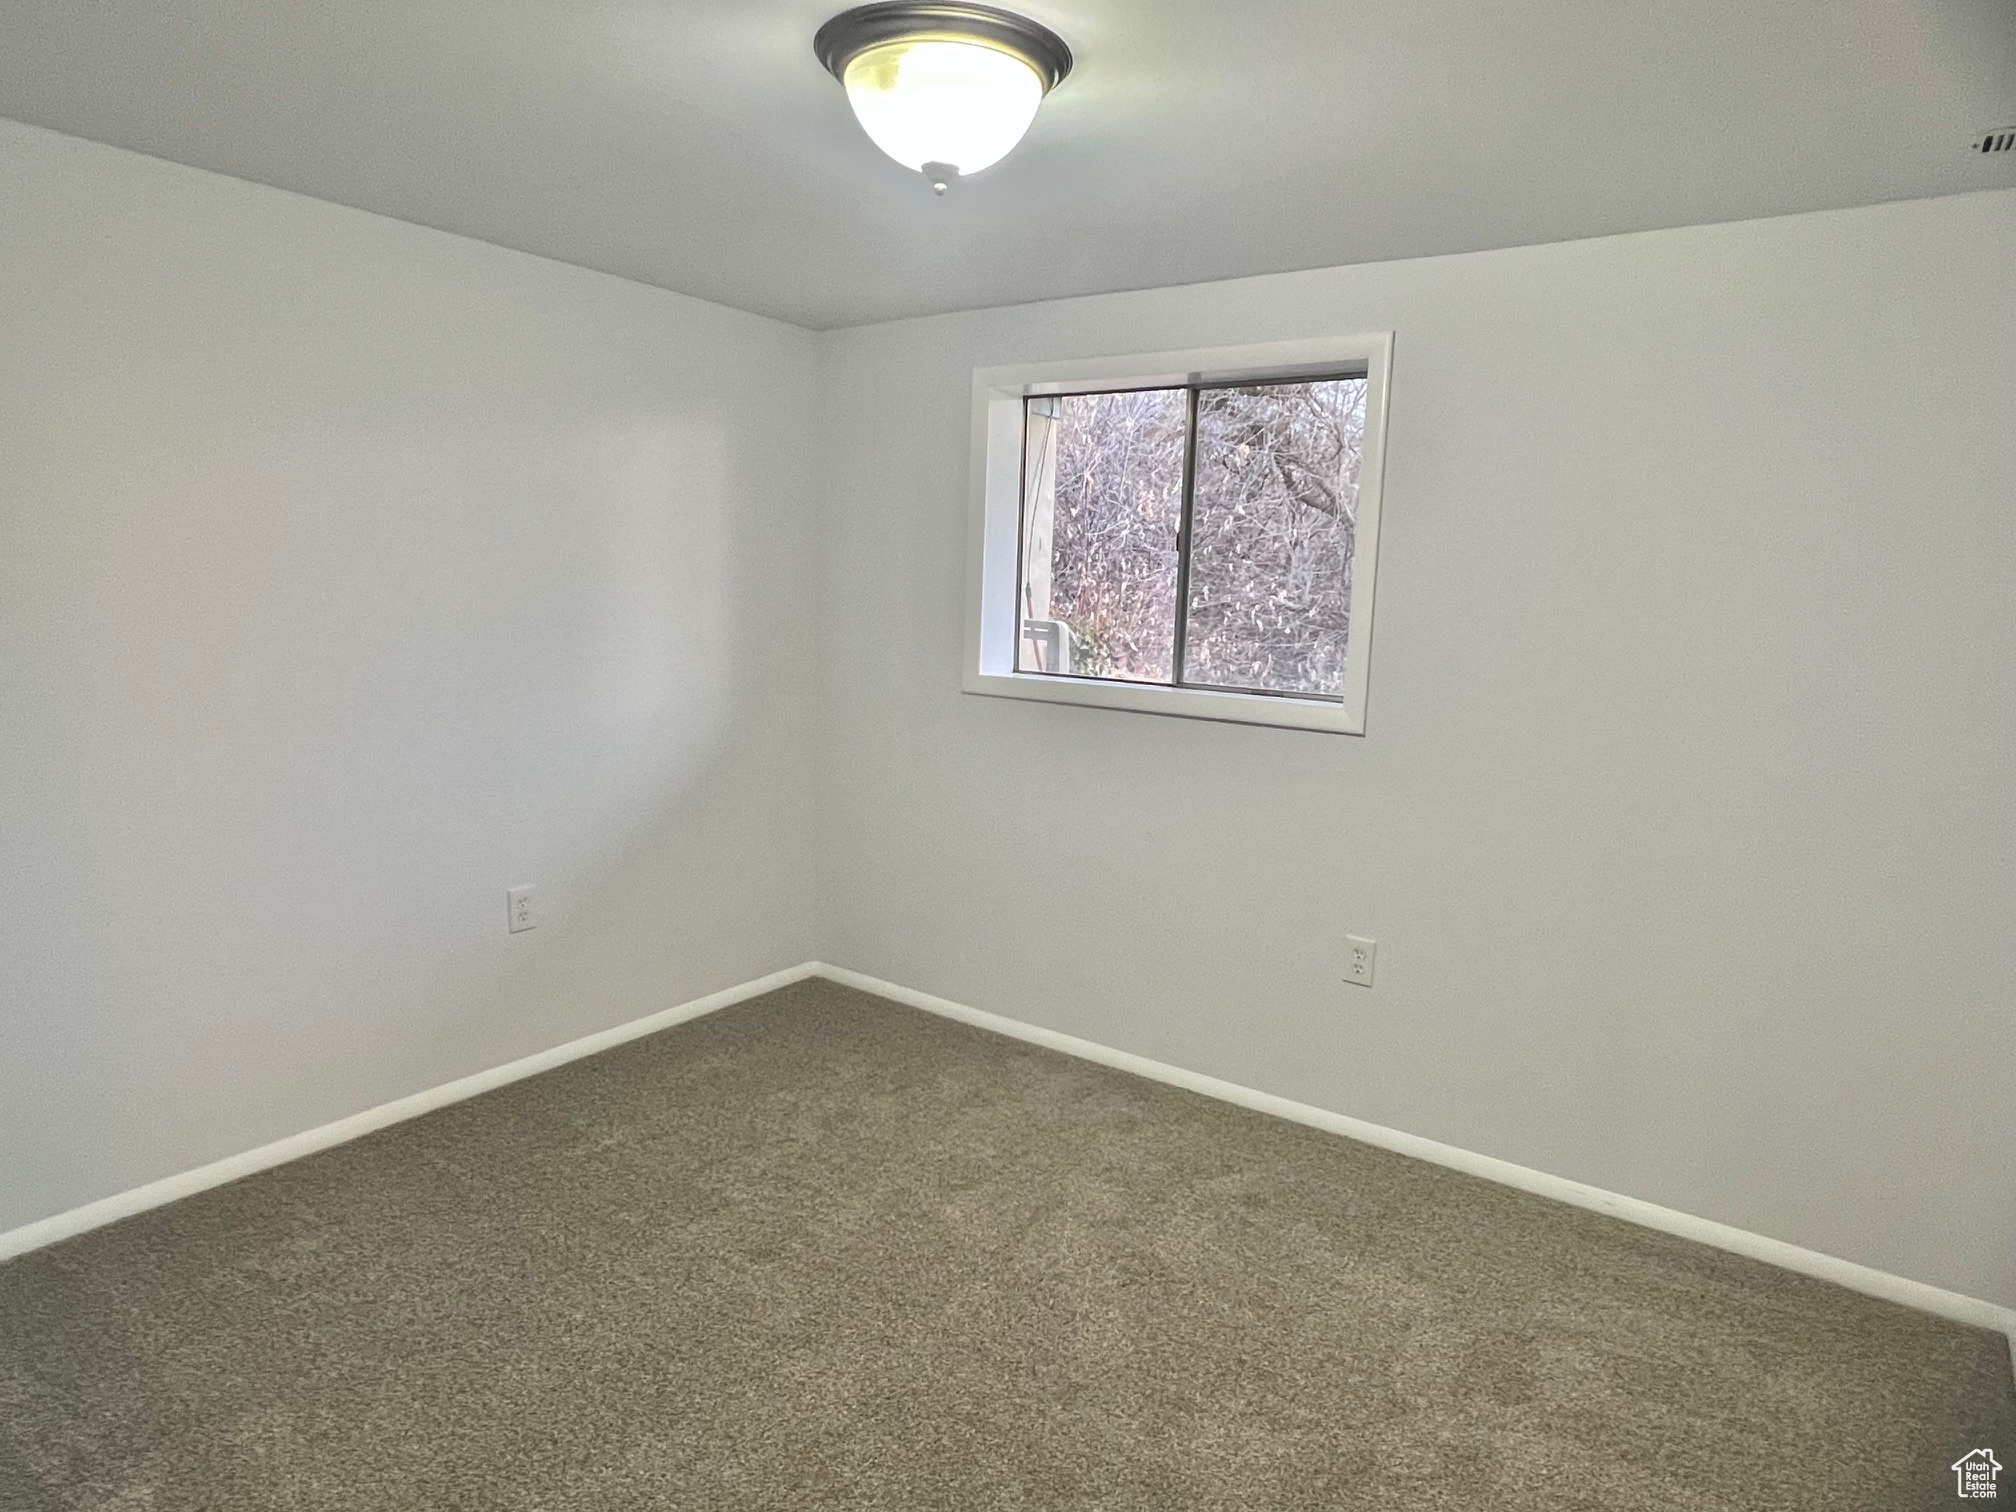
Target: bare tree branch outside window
(1272, 531)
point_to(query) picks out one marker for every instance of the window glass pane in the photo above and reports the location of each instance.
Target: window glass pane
(1102, 500)
(1273, 522)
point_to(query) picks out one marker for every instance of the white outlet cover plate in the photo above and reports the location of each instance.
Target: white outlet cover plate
(520, 909)
(1360, 955)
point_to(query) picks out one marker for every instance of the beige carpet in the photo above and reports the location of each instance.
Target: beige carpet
(823, 1251)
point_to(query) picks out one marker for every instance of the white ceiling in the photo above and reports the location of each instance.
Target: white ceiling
(698, 145)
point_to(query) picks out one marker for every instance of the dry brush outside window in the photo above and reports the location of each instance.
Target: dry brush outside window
(1195, 537)
(1191, 533)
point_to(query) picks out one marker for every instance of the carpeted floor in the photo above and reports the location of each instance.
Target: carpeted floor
(822, 1251)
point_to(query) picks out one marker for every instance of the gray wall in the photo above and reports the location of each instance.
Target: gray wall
(1686, 819)
(351, 574)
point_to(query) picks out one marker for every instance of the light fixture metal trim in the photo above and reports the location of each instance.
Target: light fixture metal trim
(844, 38)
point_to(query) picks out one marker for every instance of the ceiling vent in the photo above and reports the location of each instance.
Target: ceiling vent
(1995, 141)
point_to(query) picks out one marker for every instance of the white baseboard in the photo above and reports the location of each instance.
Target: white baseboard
(1861, 1278)
(106, 1210)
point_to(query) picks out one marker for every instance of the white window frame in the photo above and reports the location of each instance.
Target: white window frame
(996, 521)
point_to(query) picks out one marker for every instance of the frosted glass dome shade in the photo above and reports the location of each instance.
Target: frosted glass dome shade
(963, 104)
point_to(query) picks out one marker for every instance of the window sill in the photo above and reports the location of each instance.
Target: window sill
(1185, 703)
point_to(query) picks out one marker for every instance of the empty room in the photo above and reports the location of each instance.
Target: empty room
(926, 757)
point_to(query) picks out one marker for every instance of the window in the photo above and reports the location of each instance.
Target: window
(1184, 533)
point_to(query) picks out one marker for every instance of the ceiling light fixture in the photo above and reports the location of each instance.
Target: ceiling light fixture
(944, 89)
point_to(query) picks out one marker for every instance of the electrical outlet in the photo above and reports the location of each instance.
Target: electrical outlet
(521, 910)
(1358, 960)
